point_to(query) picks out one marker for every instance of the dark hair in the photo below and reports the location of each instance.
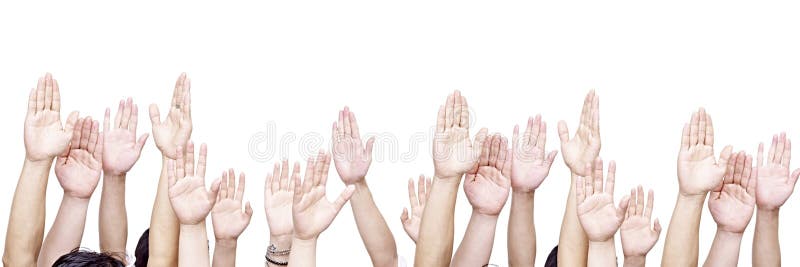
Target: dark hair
(83, 257)
(142, 252)
(552, 259)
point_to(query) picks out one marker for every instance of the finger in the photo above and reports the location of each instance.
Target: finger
(533, 131)
(171, 172)
(685, 137)
(134, 121)
(421, 190)
(214, 192)
(639, 201)
(56, 97)
(515, 139)
(48, 92)
(155, 116)
(141, 141)
(502, 154)
(275, 178)
(630, 210)
(86, 132)
(657, 227)
(98, 152)
(231, 183)
(428, 186)
(580, 189)
(412, 196)
(298, 191)
(541, 139)
(747, 170)
(76, 134)
(787, 153)
(752, 182)
(343, 198)
(224, 184)
(772, 148)
(709, 131)
(622, 208)
(326, 165)
(495, 149)
(294, 175)
(779, 149)
(201, 160)
(308, 180)
(32, 102)
(318, 168)
(92, 145)
(701, 127)
(611, 177)
(464, 113)
(725, 155)
(370, 143)
(187, 101)
(793, 178)
(551, 157)
(348, 131)
(760, 155)
(738, 168)
(181, 164)
(40, 88)
(285, 173)
(126, 114)
(295, 172)
(648, 210)
(190, 159)
(598, 175)
(448, 112)
(596, 115)
(106, 123)
(120, 112)
(693, 129)
(404, 216)
(457, 109)
(240, 188)
(248, 210)
(177, 93)
(354, 126)
(486, 147)
(587, 109)
(729, 169)
(563, 132)
(440, 120)
(589, 180)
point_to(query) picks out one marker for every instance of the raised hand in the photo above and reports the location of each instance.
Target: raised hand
(122, 149)
(698, 170)
(775, 185)
(529, 164)
(411, 222)
(453, 153)
(487, 191)
(584, 147)
(187, 187)
(78, 168)
(278, 194)
(312, 213)
(45, 138)
(351, 158)
(733, 200)
(227, 216)
(176, 129)
(599, 218)
(636, 234)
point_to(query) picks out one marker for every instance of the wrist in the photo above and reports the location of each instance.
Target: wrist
(729, 235)
(524, 194)
(769, 214)
(114, 173)
(74, 200)
(39, 163)
(634, 260)
(448, 177)
(768, 210)
(281, 242)
(484, 218)
(602, 244)
(226, 243)
(193, 227)
(692, 198)
(110, 177)
(299, 243)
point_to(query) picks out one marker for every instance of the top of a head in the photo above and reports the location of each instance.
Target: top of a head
(142, 252)
(80, 258)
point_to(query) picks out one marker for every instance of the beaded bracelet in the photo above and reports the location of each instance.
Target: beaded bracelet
(272, 250)
(280, 263)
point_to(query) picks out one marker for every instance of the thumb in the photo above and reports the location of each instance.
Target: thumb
(793, 177)
(657, 227)
(214, 191)
(724, 156)
(370, 142)
(343, 198)
(155, 116)
(623, 208)
(141, 141)
(248, 209)
(404, 216)
(563, 132)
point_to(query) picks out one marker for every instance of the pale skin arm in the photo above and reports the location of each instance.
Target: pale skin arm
(45, 138)
(577, 152)
(773, 188)
(312, 213)
(596, 212)
(412, 221)
(352, 160)
(698, 173)
(530, 166)
(191, 202)
(121, 151)
(278, 194)
(78, 173)
(174, 130)
(487, 192)
(454, 155)
(228, 218)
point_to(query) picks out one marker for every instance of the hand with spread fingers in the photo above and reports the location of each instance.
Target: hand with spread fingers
(698, 170)
(638, 238)
(78, 169)
(45, 137)
(584, 147)
(774, 184)
(187, 187)
(598, 216)
(312, 213)
(227, 216)
(411, 221)
(176, 129)
(278, 194)
(122, 149)
(350, 156)
(487, 191)
(453, 152)
(530, 165)
(732, 202)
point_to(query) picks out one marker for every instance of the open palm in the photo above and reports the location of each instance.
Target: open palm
(312, 213)
(453, 152)
(121, 149)
(775, 185)
(351, 158)
(584, 147)
(487, 189)
(596, 211)
(411, 222)
(44, 136)
(278, 194)
(190, 200)
(731, 204)
(530, 165)
(227, 217)
(636, 234)
(698, 170)
(78, 171)
(176, 129)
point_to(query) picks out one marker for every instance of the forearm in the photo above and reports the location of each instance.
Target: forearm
(435, 244)
(304, 253)
(224, 253)
(573, 245)
(193, 248)
(372, 227)
(66, 232)
(634, 261)
(766, 247)
(281, 243)
(521, 231)
(164, 226)
(26, 221)
(113, 215)
(725, 249)
(476, 246)
(602, 254)
(681, 245)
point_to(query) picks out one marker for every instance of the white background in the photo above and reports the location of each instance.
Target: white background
(295, 63)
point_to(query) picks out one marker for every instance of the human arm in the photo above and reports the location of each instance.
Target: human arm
(453, 156)
(45, 138)
(278, 194)
(487, 192)
(774, 186)
(411, 222)
(78, 172)
(698, 173)
(731, 205)
(312, 213)
(597, 214)
(577, 152)
(228, 218)
(121, 150)
(636, 234)
(352, 159)
(529, 167)
(174, 130)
